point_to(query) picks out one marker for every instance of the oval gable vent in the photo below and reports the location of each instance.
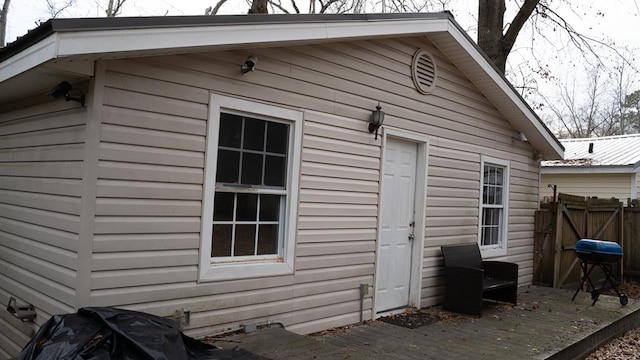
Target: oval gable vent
(423, 71)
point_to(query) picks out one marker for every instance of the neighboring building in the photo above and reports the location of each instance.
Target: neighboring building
(605, 167)
(102, 204)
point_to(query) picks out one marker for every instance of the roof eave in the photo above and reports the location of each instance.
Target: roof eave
(112, 42)
(501, 93)
(616, 169)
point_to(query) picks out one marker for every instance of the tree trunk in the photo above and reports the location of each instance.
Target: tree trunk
(490, 28)
(109, 11)
(490, 24)
(259, 7)
(3, 21)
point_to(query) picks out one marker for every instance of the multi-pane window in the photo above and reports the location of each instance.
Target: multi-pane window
(250, 193)
(493, 208)
(492, 204)
(250, 196)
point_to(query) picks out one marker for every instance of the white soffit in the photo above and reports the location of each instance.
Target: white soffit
(166, 40)
(30, 58)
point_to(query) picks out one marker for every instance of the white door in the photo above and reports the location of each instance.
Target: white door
(397, 225)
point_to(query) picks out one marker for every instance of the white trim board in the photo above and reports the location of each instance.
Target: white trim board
(167, 40)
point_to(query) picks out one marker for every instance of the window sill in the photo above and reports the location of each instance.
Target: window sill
(244, 270)
(491, 252)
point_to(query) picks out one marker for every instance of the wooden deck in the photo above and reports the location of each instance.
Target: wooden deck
(546, 324)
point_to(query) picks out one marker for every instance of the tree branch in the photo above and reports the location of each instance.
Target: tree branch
(214, 10)
(279, 6)
(3, 21)
(295, 6)
(517, 23)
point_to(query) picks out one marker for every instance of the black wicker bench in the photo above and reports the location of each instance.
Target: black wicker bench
(468, 280)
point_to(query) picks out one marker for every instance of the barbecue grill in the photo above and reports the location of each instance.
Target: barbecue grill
(602, 254)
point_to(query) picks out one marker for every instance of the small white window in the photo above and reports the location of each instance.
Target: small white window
(250, 190)
(494, 201)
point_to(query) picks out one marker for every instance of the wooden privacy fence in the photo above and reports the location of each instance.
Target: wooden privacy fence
(631, 245)
(558, 227)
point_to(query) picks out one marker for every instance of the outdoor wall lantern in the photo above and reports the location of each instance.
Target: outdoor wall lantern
(23, 312)
(377, 118)
(63, 89)
(249, 64)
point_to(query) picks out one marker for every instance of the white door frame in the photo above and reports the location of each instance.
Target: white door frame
(417, 248)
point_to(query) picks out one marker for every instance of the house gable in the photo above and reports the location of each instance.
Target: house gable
(39, 55)
(149, 119)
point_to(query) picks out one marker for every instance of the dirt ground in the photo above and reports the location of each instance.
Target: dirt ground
(626, 346)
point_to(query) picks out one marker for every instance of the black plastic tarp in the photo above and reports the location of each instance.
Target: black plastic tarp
(116, 334)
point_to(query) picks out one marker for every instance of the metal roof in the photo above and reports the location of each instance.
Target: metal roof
(608, 151)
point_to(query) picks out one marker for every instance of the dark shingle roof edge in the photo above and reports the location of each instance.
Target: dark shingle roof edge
(95, 24)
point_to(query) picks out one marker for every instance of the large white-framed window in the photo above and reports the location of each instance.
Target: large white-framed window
(494, 206)
(252, 162)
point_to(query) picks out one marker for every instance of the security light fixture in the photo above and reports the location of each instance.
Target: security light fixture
(62, 89)
(377, 118)
(249, 64)
(522, 137)
(25, 312)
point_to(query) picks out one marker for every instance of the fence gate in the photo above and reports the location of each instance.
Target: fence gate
(560, 225)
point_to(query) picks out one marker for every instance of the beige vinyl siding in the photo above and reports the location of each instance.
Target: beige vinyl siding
(604, 186)
(150, 176)
(41, 154)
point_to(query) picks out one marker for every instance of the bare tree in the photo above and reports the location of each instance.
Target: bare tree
(337, 6)
(114, 8)
(596, 104)
(496, 44)
(631, 111)
(56, 9)
(3, 21)
(623, 76)
(259, 7)
(579, 120)
(213, 10)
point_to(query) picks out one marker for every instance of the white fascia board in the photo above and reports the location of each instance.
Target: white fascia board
(31, 57)
(505, 88)
(132, 40)
(346, 30)
(587, 169)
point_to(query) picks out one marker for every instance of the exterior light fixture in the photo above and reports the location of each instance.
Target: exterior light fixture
(63, 89)
(377, 118)
(249, 64)
(520, 137)
(26, 312)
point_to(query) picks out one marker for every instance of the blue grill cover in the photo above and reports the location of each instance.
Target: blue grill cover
(598, 250)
